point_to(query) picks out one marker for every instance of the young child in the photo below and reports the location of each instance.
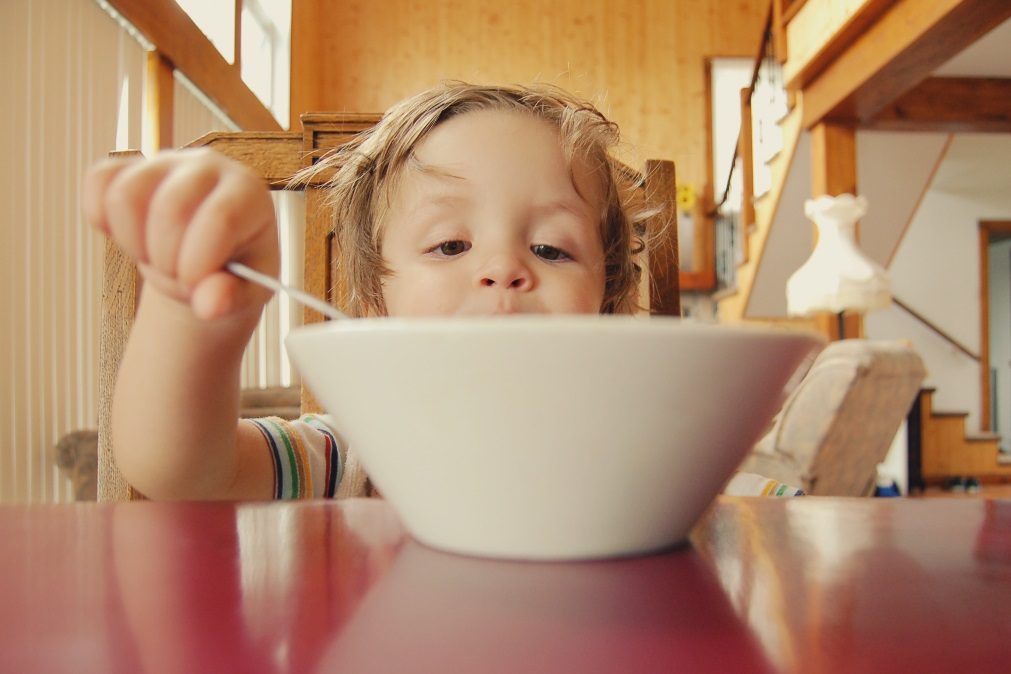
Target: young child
(462, 200)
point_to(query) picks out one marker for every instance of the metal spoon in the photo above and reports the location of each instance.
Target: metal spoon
(242, 271)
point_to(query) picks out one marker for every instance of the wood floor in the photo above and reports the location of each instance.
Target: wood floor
(997, 491)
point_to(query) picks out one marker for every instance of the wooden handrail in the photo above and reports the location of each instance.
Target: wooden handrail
(934, 328)
(790, 9)
(762, 50)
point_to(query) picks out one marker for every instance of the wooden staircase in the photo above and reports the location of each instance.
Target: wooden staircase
(947, 451)
(733, 302)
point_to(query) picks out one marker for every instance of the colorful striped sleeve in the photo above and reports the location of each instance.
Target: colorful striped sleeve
(751, 484)
(307, 457)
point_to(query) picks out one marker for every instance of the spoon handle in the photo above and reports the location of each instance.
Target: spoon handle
(242, 271)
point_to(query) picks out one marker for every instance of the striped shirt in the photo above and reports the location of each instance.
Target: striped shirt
(752, 484)
(309, 460)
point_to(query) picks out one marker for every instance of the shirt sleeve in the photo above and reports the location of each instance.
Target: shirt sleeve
(751, 484)
(307, 456)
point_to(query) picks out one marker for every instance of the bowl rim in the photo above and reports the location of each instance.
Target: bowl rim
(514, 324)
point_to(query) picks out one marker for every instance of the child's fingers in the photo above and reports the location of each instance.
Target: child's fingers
(166, 285)
(175, 200)
(126, 202)
(235, 221)
(216, 296)
(95, 185)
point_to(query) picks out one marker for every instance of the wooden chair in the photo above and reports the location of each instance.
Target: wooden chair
(838, 424)
(277, 156)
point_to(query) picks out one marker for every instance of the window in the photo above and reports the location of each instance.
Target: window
(265, 39)
(216, 20)
(265, 58)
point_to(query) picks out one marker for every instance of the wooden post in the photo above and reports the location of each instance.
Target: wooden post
(662, 230)
(159, 103)
(120, 291)
(834, 172)
(745, 150)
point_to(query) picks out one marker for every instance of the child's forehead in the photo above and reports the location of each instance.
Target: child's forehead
(506, 144)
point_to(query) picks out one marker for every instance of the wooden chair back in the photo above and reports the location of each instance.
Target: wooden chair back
(277, 156)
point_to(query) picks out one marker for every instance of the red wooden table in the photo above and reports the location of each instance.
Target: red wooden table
(796, 585)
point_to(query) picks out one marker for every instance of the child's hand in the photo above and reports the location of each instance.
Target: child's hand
(182, 216)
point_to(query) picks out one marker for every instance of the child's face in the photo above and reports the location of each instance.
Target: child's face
(494, 221)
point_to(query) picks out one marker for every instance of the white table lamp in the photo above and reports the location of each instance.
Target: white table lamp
(837, 277)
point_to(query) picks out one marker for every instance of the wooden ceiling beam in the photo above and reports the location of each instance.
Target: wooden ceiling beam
(180, 41)
(900, 50)
(950, 105)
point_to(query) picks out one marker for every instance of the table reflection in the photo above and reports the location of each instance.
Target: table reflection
(209, 587)
(438, 612)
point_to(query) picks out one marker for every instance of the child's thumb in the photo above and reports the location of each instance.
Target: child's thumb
(222, 294)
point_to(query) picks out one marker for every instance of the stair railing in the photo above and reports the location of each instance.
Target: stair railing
(763, 104)
(926, 322)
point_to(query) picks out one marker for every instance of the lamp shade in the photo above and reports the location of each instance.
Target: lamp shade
(837, 277)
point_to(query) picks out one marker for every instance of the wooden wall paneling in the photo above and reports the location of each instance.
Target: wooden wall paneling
(641, 60)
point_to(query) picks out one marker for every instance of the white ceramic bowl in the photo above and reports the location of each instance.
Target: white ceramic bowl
(548, 437)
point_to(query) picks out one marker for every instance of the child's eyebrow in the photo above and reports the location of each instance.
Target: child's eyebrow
(432, 169)
(566, 206)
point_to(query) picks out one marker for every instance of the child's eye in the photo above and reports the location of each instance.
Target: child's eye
(451, 248)
(550, 253)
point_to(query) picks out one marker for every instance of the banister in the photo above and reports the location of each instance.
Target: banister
(763, 51)
(934, 328)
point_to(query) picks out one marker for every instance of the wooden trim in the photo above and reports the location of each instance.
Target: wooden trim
(919, 200)
(790, 9)
(834, 45)
(778, 26)
(175, 35)
(833, 160)
(898, 51)
(745, 151)
(237, 33)
(950, 105)
(704, 248)
(698, 281)
(159, 103)
(986, 228)
(985, 422)
(278, 155)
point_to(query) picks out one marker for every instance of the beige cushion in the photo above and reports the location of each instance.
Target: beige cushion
(838, 423)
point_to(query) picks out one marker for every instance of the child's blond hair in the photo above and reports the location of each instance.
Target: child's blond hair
(366, 168)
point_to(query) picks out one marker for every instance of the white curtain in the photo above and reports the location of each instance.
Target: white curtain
(74, 81)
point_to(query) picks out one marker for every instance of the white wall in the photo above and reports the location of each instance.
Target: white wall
(936, 269)
(927, 193)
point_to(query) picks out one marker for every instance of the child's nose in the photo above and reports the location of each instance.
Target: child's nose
(505, 272)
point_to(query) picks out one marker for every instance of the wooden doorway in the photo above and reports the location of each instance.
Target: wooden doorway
(995, 319)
